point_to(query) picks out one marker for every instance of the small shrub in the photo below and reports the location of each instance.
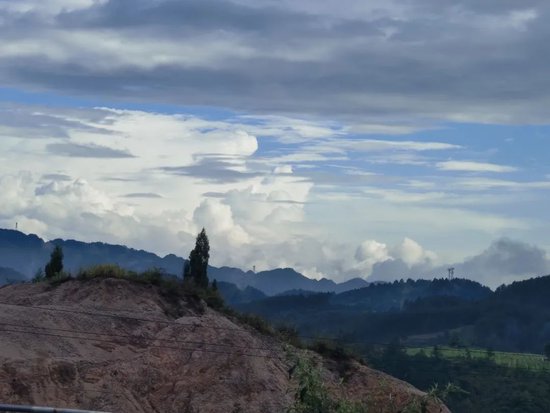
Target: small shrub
(257, 323)
(331, 350)
(312, 395)
(152, 276)
(212, 298)
(38, 276)
(104, 271)
(289, 335)
(59, 278)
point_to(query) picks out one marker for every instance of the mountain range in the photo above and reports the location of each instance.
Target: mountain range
(22, 255)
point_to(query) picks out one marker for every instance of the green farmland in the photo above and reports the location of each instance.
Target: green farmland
(516, 360)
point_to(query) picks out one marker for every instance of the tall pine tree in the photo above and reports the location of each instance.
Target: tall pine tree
(55, 266)
(196, 269)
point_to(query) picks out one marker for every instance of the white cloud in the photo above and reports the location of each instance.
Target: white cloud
(283, 169)
(217, 218)
(378, 145)
(252, 191)
(481, 184)
(470, 166)
(412, 253)
(504, 261)
(371, 255)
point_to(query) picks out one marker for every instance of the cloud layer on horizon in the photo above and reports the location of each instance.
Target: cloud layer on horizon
(273, 191)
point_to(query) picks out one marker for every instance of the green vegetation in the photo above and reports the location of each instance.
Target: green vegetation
(422, 313)
(513, 360)
(480, 384)
(312, 396)
(153, 276)
(196, 268)
(55, 266)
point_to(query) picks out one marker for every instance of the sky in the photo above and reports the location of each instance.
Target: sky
(351, 138)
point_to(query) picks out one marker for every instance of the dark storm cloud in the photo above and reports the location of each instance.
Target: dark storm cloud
(438, 59)
(201, 15)
(76, 150)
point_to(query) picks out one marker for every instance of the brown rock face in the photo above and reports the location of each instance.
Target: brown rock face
(118, 346)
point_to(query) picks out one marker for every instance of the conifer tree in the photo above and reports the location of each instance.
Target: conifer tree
(197, 267)
(55, 266)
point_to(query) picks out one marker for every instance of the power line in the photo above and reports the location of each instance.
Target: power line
(124, 317)
(133, 337)
(432, 370)
(183, 325)
(122, 343)
(18, 330)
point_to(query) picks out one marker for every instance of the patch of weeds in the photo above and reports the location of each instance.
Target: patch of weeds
(312, 396)
(59, 279)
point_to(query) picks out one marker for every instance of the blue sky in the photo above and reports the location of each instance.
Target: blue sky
(380, 139)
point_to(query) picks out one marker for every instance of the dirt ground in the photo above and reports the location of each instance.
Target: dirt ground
(110, 345)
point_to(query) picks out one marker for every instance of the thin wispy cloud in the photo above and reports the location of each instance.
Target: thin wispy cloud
(86, 151)
(470, 166)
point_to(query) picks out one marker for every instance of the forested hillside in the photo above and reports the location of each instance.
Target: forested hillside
(513, 318)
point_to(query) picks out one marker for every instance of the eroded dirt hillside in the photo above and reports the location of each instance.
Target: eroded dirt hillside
(119, 346)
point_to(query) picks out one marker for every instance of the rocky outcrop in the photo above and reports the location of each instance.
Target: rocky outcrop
(118, 346)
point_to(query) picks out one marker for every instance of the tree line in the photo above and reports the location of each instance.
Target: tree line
(195, 270)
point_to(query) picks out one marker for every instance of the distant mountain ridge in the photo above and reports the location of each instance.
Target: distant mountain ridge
(10, 276)
(26, 254)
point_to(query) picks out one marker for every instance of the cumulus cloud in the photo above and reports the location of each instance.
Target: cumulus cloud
(372, 250)
(218, 218)
(268, 190)
(504, 261)
(380, 262)
(412, 253)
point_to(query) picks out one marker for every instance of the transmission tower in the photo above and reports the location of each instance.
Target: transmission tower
(451, 272)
